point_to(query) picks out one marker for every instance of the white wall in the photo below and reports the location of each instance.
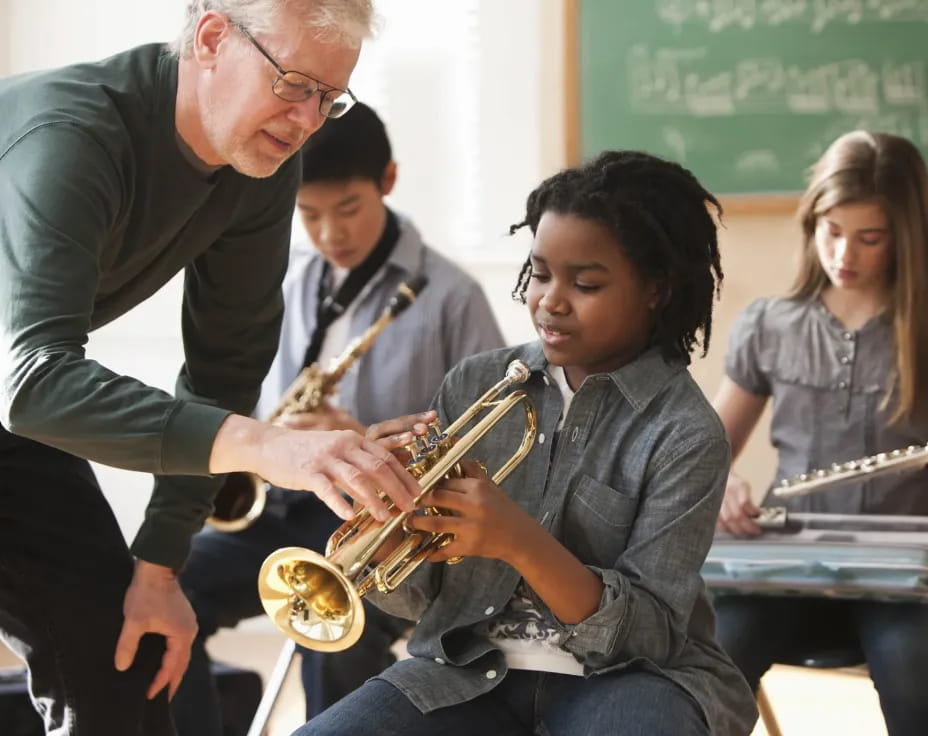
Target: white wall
(482, 106)
(48, 33)
(38, 34)
(4, 36)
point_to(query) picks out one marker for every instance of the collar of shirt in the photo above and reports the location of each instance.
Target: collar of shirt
(639, 381)
(837, 328)
(406, 255)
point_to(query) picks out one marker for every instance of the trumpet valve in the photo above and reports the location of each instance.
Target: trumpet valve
(418, 466)
(433, 454)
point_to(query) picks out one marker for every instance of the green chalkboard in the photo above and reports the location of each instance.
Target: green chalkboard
(747, 93)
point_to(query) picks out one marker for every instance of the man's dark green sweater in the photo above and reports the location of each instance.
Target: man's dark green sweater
(99, 208)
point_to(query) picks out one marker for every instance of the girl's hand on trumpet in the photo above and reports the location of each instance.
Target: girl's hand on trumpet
(485, 521)
(488, 523)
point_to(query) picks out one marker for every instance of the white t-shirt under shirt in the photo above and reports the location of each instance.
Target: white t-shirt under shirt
(559, 376)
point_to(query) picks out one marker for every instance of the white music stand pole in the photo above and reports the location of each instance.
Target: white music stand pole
(272, 691)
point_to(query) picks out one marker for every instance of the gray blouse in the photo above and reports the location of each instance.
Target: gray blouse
(828, 385)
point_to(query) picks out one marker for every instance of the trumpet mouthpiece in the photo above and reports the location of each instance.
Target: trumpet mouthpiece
(517, 372)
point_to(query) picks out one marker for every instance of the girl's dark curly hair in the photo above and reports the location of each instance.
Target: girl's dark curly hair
(659, 212)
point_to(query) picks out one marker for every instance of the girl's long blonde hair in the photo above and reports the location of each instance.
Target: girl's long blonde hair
(878, 167)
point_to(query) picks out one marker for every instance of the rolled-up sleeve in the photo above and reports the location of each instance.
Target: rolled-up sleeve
(650, 591)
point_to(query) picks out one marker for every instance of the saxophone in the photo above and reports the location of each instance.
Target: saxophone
(242, 496)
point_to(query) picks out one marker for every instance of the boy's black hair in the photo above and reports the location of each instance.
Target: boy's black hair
(659, 212)
(354, 146)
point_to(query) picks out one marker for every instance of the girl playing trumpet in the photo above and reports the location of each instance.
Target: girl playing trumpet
(579, 607)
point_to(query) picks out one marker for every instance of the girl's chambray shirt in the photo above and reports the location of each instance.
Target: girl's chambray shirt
(828, 385)
(632, 488)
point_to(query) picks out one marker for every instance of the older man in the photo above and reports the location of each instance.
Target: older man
(114, 176)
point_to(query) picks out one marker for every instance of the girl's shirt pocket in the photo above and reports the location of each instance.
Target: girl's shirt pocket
(598, 520)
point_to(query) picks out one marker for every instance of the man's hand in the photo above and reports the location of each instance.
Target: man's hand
(155, 604)
(326, 463)
(738, 510)
(328, 417)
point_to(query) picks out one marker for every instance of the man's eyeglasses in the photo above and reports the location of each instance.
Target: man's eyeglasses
(296, 86)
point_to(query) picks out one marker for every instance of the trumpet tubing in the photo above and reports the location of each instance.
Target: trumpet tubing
(316, 599)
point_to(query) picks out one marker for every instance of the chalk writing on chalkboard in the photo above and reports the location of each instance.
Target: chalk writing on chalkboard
(672, 80)
(748, 93)
(717, 15)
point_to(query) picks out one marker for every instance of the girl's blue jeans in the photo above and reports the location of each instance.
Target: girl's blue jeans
(629, 703)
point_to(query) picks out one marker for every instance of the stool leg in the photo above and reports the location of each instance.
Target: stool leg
(766, 712)
(274, 683)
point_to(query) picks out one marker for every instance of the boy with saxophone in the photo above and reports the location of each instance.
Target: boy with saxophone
(361, 251)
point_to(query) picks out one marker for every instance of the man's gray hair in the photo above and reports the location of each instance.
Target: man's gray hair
(346, 22)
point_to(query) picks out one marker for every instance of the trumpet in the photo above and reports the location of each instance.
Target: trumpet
(316, 600)
(912, 457)
(242, 496)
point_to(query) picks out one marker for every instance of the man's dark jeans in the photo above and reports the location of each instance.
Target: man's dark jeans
(64, 570)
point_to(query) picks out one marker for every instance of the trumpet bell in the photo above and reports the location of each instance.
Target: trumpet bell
(309, 597)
